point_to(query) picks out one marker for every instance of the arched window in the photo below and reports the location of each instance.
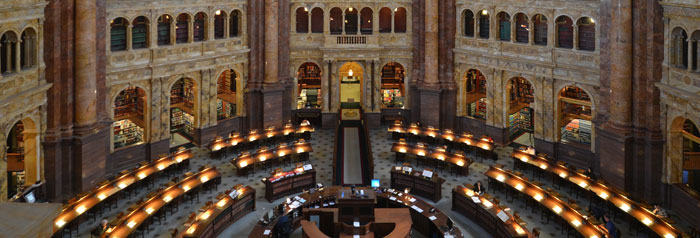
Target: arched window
(227, 94)
(521, 95)
(28, 48)
(182, 28)
(475, 94)
(8, 52)
(164, 22)
(575, 115)
(679, 52)
(691, 155)
(139, 33)
(385, 20)
(351, 21)
(317, 20)
(522, 28)
(219, 24)
(540, 29)
(586, 34)
(565, 32)
(117, 34)
(366, 24)
(200, 27)
(484, 24)
(302, 17)
(503, 26)
(234, 25)
(336, 21)
(400, 20)
(393, 91)
(309, 86)
(129, 110)
(468, 23)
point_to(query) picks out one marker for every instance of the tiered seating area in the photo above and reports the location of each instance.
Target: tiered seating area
(215, 216)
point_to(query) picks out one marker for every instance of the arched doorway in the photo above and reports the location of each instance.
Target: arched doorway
(183, 112)
(129, 120)
(691, 155)
(228, 86)
(351, 75)
(575, 114)
(23, 156)
(520, 121)
(309, 86)
(393, 80)
(475, 94)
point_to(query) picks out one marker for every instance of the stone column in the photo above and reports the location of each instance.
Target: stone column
(342, 21)
(575, 41)
(190, 30)
(271, 43)
(227, 24)
(621, 70)
(431, 43)
(512, 29)
(85, 62)
(129, 32)
(690, 55)
(697, 61)
(18, 54)
(173, 31)
(531, 33)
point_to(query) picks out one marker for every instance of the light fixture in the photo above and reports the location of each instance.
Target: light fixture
(625, 207)
(460, 163)
(603, 195)
(218, 12)
(149, 210)
(121, 185)
(501, 178)
(142, 175)
(161, 167)
(576, 223)
(350, 9)
(306, 9)
(60, 223)
(221, 203)
(131, 224)
(668, 235)
(300, 150)
(402, 150)
(167, 199)
(519, 187)
(204, 179)
(556, 209)
(562, 174)
(350, 73)
(263, 158)
(101, 196)
(484, 12)
(81, 209)
(647, 221)
(583, 184)
(186, 188)
(243, 164)
(205, 215)
(543, 166)
(538, 197)
(421, 153)
(178, 159)
(217, 147)
(281, 153)
(192, 229)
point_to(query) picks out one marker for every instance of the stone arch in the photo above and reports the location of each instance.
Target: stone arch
(29, 158)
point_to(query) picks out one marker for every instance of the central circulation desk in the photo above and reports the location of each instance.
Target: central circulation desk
(286, 183)
(420, 185)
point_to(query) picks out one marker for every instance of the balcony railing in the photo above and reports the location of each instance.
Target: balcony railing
(351, 40)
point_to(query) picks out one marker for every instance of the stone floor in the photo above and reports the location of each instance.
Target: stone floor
(322, 143)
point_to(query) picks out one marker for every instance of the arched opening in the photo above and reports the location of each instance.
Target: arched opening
(691, 155)
(200, 27)
(575, 115)
(28, 48)
(183, 101)
(336, 21)
(400, 20)
(565, 32)
(309, 86)
(385, 20)
(351, 21)
(139, 33)
(23, 156)
(540, 34)
(182, 28)
(393, 90)
(679, 52)
(164, 23)
(317, 20)
(117, 34)
(302, 17)
(468, 23)
(521, 124)
(234, 24)
(8, 52)
(351, 76)
(228, 86)
(586, 34)
(503, 26)
(219, 24)
(129, 120)
(484, 24)
(475, 94)
(366, 24)
(522, 28)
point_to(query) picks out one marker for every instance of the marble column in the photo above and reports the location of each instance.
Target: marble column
(129, 32)
(173, 30)
(531, 33)
(575, 41)
(18, 54)
(85, 62)
(271, 43)
(690, 55)
(621, 70)
(431, 43)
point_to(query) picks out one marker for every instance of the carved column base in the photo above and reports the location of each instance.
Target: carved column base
(89, 160)
(614, 149)
(272, 107)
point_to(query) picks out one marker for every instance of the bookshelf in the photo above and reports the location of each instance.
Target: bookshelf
(477, 109)
(129, 102)
(181, 121)
(309, 84)
(520, 122)
(118, 34)
(578, 130)
(164, 31)
(286, 183)
(183, 92)
(392, 91)
(139, 33)
(126, 133)
(430, 188)
(181, 29)
(224, 109)
(521, 91)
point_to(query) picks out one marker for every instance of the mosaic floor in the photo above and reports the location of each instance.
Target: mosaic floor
(322, 143)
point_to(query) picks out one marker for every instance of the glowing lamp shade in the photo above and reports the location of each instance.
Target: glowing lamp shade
(131, 224)
(556, 209)
(270, 135)
(243, 164)
(488, 204)
(669, 236)
(234, 143)
(543, 166)
(121, 185)
(460, 163)
(221, 203)
(603, 195)
(402, 150)
(524, 159)
(217, 147)
(467, 142)
(486, 147)
(469, 192)
(281, 153)
(204, 179)
(647, 221)
(263, 158)
(421, 153)
(178, 159)
(414, 132)
(149, 210)
(142, 175)
(441, 157)
(583, 184)
(186, 188)
(101, 196)
(562, 174)
(161, 167)
(300, 150)
(192, 229)
(81, 209)
(167, 198)
(519, 230)
(576, 223)
(538, 197)
(519, 187)
(251, 138)
(205, 215)
(625, 207)
(60, 223)
(593, 236)
(501, 178)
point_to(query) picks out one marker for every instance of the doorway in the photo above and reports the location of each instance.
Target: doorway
(521, 125)
(23, 156)
(351, 78)
(183, 113)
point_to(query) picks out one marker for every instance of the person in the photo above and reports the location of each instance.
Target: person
(610, 226)
(100, 229)
(590, 174)
(284, 227)
(660, 212)
(478, 188)
(418, 123)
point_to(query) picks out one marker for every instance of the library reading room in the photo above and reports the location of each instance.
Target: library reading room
(350, 118)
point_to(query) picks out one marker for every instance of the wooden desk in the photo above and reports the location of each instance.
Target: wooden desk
(123, 227)
(217, 217)
(235, 141)
(245, 161)
(287, 183)
(430, 188)
(446, 136)
(601, 190)
(575, 219)
(485, 214)
(461, 162)
(74, 210)
(388, 223)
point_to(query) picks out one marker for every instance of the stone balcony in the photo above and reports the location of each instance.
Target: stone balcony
(357, 41)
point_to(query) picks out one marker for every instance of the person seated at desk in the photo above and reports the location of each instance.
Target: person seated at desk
(284, 227)
(660, 212)
(478, 188)
(610, 226)
(101, 229)
(589, 173)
